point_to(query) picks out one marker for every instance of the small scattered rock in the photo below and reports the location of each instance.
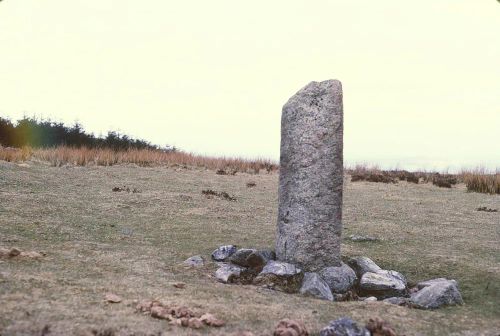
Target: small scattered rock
(240, 257)
(251, 184)
(359, 238)
(160, 310)
(161, 313)
(383, 284)
(340, 279)
(361, 265)
(313, 285)
(145, 306)
(344, 327)
(287, 327)
(436, 293)
(281, 275)
(112, 298)
(181, 311)
(379, 327)
(194, 261)
(223, 252)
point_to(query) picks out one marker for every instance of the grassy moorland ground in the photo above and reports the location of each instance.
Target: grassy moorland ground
(98, 241)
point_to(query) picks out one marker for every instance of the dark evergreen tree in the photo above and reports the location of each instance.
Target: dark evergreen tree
(46, 133)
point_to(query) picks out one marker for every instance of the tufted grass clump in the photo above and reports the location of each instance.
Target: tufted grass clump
(84, 156)
(482, 182)
(11, 154)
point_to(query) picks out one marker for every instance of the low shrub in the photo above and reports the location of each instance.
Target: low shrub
(444, 180)
(404, 175)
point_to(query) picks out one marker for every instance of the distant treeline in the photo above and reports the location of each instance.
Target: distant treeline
(45, 133)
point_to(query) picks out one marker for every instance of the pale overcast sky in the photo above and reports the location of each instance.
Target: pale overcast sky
(421, 78)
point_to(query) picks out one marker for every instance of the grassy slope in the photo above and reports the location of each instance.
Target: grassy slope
(131, 244)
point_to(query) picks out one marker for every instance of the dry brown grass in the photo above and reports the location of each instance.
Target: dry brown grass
(10, 154)
(60, 156)
(132, 245)
(481, 181)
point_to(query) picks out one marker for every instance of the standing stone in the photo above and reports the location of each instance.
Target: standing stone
(311, 176)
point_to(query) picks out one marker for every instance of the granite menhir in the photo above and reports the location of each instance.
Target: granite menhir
(311, 177)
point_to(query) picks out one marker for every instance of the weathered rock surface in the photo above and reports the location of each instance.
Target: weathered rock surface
(194, 261)
(280, 275)
(431, 282)
(223, 252)
(370, 299)
(313, 285)
(398, 301)
(382, 284)
(344, 327)
(340, 279)
(436, 293)
(311, 177)
(361, 265)
(240, 257)
(359, 238)
(229, 273)
(260, 258)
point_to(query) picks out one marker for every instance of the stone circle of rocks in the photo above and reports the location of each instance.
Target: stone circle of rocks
(360, 278)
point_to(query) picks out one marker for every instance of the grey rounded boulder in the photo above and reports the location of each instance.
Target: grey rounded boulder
(229, 273)
(194, 261)
(361, 265)
(240, 257)
(383, 284)
(344, 327)
(314, 286)
(223, 252)
(260, 258)
(280, 275)
(436, 293)
(340, 279)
